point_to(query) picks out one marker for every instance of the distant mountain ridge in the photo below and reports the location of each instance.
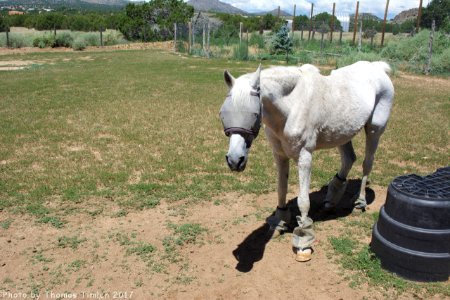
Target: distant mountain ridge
(215, 6)
(274, 12)
(406, 15)
(50, 3)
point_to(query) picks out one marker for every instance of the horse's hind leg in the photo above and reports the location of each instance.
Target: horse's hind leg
(336, 187)
(373, 134)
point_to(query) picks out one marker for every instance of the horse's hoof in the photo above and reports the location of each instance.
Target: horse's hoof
(361, 204)
(275, 233)
(303, 255)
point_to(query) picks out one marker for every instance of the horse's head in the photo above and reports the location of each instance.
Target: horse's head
(241, 117)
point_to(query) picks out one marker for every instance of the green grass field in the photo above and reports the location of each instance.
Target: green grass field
(142, 126)
(137, 128)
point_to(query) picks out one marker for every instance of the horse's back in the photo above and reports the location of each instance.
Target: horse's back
(370, 82)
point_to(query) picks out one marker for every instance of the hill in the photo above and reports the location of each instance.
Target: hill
(406, 15)
(275, 13)
(214, 6)
(56, 4)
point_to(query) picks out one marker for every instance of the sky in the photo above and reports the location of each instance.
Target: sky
(375, 7)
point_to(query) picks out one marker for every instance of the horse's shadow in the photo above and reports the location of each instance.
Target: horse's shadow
(252, 248)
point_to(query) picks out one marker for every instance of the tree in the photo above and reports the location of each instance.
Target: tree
(326, 17)
(3, 23)
(226, 33)
(301, 22)
(437, 10)
(282, 43)
(154, 20)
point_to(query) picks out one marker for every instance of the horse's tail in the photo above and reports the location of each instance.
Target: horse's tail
(383, 66)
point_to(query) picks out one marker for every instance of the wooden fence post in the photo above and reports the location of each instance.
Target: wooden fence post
(101, 36)
(204, 38)
(321, 42)
(332, 23)
(340, 37)
(384, 23)
(310, 21)
(430, 48)
(293, 22)
(190, 37)
(247, 46)
(174, 37)
(207, 40)
(7, 37)
(360, 36)
(355, 20)
(419, 16)
(241, 25)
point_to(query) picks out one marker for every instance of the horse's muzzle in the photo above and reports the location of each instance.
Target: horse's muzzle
(236, 166)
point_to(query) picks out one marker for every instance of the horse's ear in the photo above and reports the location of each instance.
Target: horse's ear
(229, 79)
(254, 82)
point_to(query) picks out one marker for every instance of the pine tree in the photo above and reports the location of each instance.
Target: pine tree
(282, 43)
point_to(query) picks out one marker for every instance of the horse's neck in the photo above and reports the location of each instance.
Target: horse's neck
(275, 87)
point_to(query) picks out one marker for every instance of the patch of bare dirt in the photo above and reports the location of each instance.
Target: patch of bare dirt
(167, 46)
(235, 259)
(433, 80)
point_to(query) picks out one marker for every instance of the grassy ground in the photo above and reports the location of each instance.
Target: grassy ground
(129, 127)
(138, 128)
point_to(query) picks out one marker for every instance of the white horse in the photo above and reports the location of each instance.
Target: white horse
(304, 111)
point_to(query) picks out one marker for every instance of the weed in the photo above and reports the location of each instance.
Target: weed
(366, 267)
(143, 250)
(120, 213)
(186, 233)
(139, 282)
(6, 223)
(54, 221)
(76, 265)
(95, 212)
(71, 242)
(39, 257)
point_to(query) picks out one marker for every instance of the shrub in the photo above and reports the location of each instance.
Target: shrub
(17, 41)
(350, 59)
(113, 38)
(440, 63)
(91, 38)
(79, 44)
(257, 40)
(63, 40)
(240, 52)
(44, 41)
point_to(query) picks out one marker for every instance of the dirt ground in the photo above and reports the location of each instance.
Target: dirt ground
(132, 46)
(236, 259)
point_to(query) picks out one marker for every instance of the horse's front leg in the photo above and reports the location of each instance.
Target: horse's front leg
(279, 222)
(304, 235)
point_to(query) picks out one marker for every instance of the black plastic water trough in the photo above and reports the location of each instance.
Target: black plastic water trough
(412, 235)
